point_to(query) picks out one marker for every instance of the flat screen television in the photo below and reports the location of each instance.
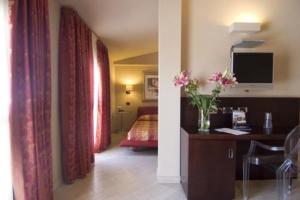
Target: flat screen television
(253, 69)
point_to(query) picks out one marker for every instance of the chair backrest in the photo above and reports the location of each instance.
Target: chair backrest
(292, 144)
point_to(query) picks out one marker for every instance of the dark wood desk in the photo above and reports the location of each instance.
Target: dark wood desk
(211, 162)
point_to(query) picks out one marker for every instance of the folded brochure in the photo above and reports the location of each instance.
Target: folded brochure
(231, 131)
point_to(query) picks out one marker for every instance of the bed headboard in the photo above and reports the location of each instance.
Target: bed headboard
(147, 110)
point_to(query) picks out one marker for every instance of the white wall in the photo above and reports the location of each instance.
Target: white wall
(169, 96)
(54, 15)
(206, 44)
(206, 41)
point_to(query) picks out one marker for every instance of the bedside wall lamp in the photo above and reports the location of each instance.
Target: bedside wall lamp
(128, 88)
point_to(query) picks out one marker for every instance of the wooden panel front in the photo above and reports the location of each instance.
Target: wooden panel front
(184, 159)
(211, 171)
(285, 111)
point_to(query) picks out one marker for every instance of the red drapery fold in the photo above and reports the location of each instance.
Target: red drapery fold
(31, 100)
(103, 137)
(76, 95)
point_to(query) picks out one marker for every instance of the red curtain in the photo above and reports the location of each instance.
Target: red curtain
(76, 95)
(30, 100)
(103, 138)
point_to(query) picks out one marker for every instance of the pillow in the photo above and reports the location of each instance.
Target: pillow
(148, 118)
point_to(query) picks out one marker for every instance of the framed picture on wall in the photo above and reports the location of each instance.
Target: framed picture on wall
(150, 86)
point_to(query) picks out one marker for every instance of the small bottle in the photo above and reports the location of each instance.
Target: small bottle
(268, 122)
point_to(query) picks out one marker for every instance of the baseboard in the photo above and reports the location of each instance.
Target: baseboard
(57, 184)
(168, 179)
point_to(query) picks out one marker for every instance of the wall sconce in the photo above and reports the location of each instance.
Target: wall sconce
(244, 27)
(128, 88)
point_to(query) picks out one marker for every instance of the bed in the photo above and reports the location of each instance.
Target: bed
(143, 133)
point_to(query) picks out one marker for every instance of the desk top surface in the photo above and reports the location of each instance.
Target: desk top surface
(255, 134)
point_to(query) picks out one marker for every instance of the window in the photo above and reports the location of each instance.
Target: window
(5, 167)
(96, 85)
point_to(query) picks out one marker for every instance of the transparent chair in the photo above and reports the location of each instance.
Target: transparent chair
(287, 162)
(289, 168)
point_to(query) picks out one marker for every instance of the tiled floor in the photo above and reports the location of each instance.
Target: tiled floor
(123, 174)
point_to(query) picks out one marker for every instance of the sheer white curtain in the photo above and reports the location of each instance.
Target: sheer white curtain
(5, 167)
(96, 84)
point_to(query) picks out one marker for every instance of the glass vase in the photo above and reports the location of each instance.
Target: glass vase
(203, 121)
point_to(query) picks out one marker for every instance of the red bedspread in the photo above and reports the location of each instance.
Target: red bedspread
(142, 134)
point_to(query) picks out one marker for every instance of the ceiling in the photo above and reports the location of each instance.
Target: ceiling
(145, 59)
(128, 27)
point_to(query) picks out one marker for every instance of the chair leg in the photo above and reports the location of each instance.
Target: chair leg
(288, 184)
(246, 169)
(284, 181)
(279, 179)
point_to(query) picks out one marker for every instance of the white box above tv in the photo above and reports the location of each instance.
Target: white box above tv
(244, 27)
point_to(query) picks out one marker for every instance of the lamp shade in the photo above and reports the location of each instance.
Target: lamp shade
(129, 87)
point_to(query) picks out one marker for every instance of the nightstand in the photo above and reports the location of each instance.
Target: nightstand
(122, 113)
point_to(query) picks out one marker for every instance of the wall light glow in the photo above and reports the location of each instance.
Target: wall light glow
(129, 82)
(243, 16)
(248, 17)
